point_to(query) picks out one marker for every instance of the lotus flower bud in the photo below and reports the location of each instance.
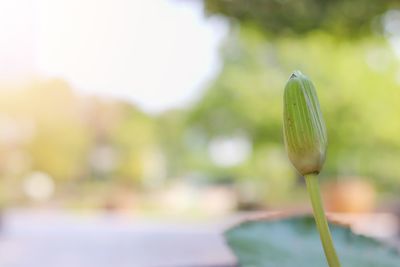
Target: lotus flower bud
(304, 127)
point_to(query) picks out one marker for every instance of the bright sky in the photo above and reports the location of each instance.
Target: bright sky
(156, 53)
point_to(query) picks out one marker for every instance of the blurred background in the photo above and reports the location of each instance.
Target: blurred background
(132, 133)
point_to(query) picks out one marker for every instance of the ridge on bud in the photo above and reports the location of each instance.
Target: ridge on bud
(304, 127)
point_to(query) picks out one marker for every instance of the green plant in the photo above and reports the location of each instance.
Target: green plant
(294, 242)
(306, 142)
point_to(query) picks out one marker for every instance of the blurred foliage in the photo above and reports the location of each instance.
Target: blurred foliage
(90, 142)
(358, 86)
(288, 17)
(38, 133)
(45, 127)
(78, 140)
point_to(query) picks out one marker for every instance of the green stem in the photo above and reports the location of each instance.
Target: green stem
(320, 220)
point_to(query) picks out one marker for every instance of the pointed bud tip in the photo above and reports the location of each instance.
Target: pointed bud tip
(296, 74)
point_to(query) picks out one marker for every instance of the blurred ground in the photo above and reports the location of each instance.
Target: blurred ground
(30, 238)
(48, 239)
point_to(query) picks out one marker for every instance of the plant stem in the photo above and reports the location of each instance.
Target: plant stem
(320, 220)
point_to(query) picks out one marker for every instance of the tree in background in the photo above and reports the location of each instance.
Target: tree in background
(357, 78)
(81, 143)
(290, 17)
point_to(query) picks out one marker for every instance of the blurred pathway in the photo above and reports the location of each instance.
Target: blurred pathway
(61, 240)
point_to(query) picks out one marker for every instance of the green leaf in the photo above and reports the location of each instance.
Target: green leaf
(295, 242)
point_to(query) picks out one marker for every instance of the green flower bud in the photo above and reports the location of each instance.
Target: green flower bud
(304, 127)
